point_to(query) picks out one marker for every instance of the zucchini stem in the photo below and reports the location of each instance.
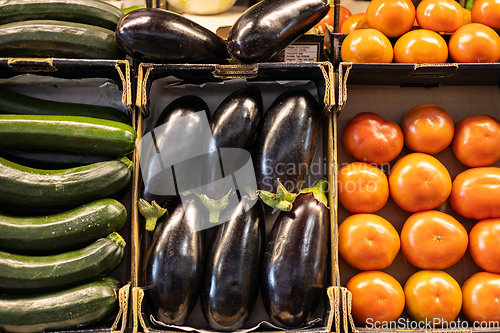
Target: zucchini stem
(117, 238)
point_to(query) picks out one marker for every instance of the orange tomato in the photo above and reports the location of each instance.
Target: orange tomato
(439, 15)
(433, 295)
(366, 46)
(362, 23)
(484, 238)
(419, 182)
(477, 141)
(421, 46)
(368, 242)
(350, 23)
(467, 16)
(475, 43)
(427, 128)
(433, 240)
(329, 19)
(391, 17)
(376, 297)
(486, 12)
(481, 294)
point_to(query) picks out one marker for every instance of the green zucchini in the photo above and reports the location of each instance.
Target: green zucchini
(63, 231)
(21, 186)
(70, 308)
(67, 133)
(14, 103)
(57, 39)
(28, 274)
(93, 12)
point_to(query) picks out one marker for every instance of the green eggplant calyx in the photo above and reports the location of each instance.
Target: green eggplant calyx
(282, 199)
(215, 207)
(117, 238)
(152, 212)
(127, 162)
(318, 191)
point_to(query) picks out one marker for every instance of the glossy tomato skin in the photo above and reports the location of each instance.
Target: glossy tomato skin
(480, 297)
(476, 141)
(391, 17)
(439, 15)
(433, 240)
(484, 238)
(421, 46)
(329, 19)
(350, 23)
(366, 46)
(474, 43)
(368, 242)
(486, 12)
(372, 139)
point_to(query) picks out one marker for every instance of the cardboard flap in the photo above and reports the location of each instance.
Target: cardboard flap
(236, 71)
(32, 65)
(123, 296)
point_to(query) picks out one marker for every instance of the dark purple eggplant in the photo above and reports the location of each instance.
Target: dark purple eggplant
(232, 270)
(266, 28)
(173, 263)
(295, 260)
(161, 36)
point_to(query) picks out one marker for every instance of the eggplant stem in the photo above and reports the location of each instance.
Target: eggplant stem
(318, 191)
(282, 199)
(152, 212)
(215, 207)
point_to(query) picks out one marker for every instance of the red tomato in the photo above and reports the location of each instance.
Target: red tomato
(391, 17)
(376, 297)
(484, 238)
(481, 294)
(368, 242)
(433, 240)
(372, 139)
(476, 43)
(366, 46)
(440, 15)
(421, 46)
(486, 12)
(351, 22)
(476, 193)
(477, 141)
(329, 19)
(419, 182)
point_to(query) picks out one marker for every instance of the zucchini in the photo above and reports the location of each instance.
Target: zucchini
(93, 12)
(57, 39)
(84, 135)
(28, 274)
(22, 186)
(71, 308)
(14, 103)
(63, 231)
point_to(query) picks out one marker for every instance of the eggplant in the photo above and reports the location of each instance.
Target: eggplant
(173, 263)
(268, 27)
(232, 271)
(161, 36)
(295, 260)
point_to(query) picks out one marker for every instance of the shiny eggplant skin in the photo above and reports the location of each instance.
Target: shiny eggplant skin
(295, 261)
(173, 264)
(287, 140)
(269, 26)
(232, 270)
(161, 36)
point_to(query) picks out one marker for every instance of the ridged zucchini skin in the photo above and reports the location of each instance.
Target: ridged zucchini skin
(70, 308)
(21, 186)
(62, 231)
(30, 274)
(84, 135)
(58, 39)
(93, 12)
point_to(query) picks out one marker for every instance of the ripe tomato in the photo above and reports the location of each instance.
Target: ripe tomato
(421, 46)
(474, 42)
(484, 238)
(329, 19)
(476, 141)
(350, 23)
(366, 46)
(363, 188)
(433, 295)
(467, 16)
(433, 240)
(368, 242)
(419, 182)
(486, 12)
(427, 128)
(476, 193)
(439, 15)
(372, 139)
(391, 17)
(376, 297)
(480, 294)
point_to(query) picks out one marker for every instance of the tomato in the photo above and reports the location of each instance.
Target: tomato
(486, 12)
(391, 17)
(475, 193)
(474, 42)
(484, 238)
(439, 15)
(368, 242)
(427, 128)
(329, 19)
(372, 139)
(481, 295)
(433, 240)
(467, 16)
(362, 187)
(376, 297)
(362, 23)
(476, 141)
(421, 46)
(433, 295)
(419, 182)
(366, 46)
(350, 23)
